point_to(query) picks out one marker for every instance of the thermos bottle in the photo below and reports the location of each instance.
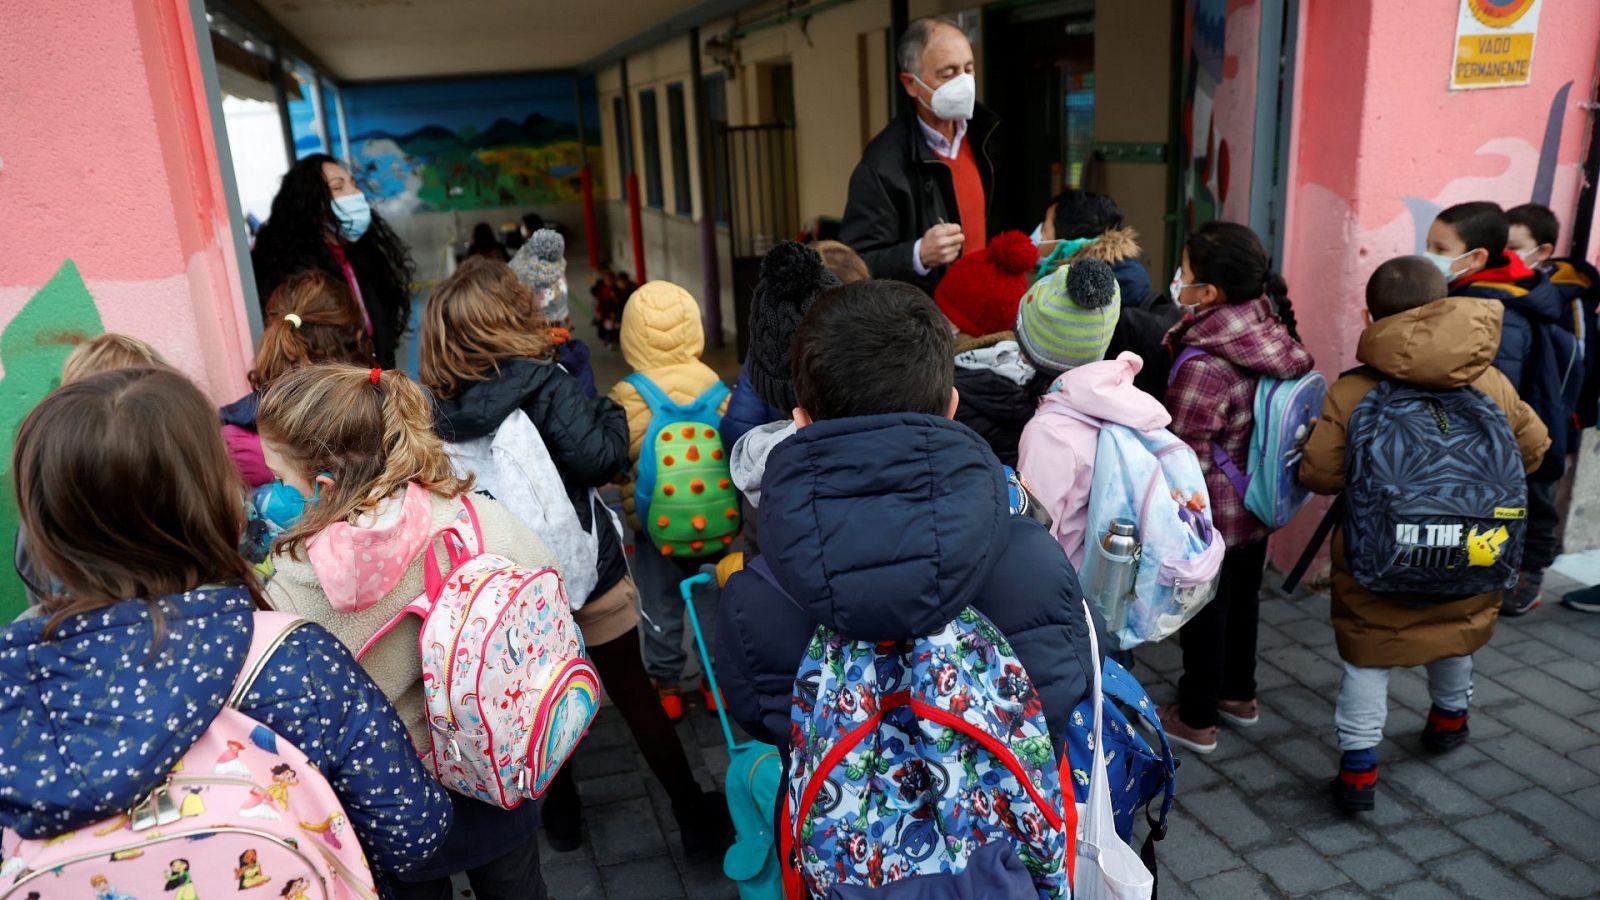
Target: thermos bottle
(1117, 572)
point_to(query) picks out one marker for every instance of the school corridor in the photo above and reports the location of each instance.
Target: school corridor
(1513, 814)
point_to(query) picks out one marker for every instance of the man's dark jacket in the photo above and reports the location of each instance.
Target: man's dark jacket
(901, 188)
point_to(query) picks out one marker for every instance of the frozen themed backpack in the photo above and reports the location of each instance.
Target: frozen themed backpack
(684, 494)
(264, 813)
(1151, 479)
(508, 690)
(926, 759)
(1283, 412)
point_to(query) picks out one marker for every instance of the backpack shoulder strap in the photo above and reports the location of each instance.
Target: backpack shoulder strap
(267, 633)
(1329, 519)
(714, 395)
(1187, 354)
(649, 391)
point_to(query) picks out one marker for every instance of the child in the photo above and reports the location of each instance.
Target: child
(359, 445)
(1539, 353)
(607, 317)
(1064, 327)
(106, 352)
(1236, 311)
(1441, 344)
(311, 318)
(845, 264)
(1089, 226)
(979, 294)
(139, 650)
(662, 339)
(103, 353)
(883, 518)
(792, 275)
(541, 264)
(762, 405)
(486, 355)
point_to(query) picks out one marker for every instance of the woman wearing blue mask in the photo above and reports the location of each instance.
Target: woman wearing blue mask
(321, 221)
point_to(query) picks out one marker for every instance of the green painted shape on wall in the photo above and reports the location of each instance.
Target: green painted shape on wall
(33, 348)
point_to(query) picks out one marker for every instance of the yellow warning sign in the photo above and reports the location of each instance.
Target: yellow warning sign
(1494, 43)
(1492, 60)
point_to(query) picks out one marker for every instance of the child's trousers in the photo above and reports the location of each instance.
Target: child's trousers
(1364, 699)
(661, 601)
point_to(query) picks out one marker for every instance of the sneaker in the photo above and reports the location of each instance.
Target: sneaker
(712, 701)
(1446, 730)
(671, 702)
(1200, 740)
(1524, 598)
(1355, 788)
(1239, 713)
(704, 826)
(1586, 600)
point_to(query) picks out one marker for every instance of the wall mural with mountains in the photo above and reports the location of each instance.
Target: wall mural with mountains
(459, 144)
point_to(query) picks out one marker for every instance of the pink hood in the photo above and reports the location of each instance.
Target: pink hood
(1056, 455)
(359, 565)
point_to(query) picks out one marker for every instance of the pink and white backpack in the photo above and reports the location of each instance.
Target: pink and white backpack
(264, 813)
(508, 689)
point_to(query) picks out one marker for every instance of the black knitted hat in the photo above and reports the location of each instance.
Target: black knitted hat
(792, 275)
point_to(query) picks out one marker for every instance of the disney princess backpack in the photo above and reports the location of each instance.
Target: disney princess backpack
(264, 813)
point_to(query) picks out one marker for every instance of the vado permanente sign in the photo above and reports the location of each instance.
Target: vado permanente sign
(1494, 43)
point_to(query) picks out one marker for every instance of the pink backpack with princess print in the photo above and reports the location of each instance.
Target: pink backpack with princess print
(508, 690)
(270, 823)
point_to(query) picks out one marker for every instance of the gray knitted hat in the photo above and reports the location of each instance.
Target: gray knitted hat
(541, 265)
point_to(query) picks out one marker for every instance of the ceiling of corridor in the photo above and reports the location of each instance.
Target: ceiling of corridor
(373, 39)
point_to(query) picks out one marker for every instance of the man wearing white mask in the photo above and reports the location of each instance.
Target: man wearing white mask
(919, 197)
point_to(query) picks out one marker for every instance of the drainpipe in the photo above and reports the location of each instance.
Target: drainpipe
(591, 233)
(635, 225)
(710, 270)
(1583, 222)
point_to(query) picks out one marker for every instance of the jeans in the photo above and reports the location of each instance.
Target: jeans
(661, 601)
(1364, 698)
(514, 876)
(1219, 643)
(1541, 548)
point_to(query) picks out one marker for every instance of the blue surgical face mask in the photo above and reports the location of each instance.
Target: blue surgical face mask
(1444, 263)
(1038, 234)
(354, 215)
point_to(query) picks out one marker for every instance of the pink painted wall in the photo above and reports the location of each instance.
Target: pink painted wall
(107, 159)
(1381, 144)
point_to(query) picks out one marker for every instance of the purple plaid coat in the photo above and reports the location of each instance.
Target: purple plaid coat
(1212, 397)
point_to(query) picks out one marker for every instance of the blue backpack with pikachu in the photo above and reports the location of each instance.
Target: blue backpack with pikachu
(1285, 410)
(1139, 771)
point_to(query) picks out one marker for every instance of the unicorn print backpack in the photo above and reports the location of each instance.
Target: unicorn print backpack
(243, 811)
(508, 690)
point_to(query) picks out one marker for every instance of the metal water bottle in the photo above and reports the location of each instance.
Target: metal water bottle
(1117, 572)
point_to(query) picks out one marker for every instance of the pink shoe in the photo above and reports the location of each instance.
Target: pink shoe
(1200, 740)
(1239, 713)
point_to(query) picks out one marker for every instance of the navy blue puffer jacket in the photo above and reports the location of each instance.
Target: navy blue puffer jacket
(94, 720)
(746, 410)
(884, 528)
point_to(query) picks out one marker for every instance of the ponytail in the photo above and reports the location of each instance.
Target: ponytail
(369, 430)
(311, 318)
(1277, 290)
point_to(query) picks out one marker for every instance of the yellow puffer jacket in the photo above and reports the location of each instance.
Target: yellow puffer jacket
(662, 340)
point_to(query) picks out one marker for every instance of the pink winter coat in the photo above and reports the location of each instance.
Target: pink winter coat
(1056, 456)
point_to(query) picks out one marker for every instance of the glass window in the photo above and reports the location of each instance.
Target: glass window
(650, 131)
(678, 124)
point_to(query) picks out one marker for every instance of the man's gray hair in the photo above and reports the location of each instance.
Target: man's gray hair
(915, 40)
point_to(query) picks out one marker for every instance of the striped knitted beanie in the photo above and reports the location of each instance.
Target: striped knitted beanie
(1067, 319)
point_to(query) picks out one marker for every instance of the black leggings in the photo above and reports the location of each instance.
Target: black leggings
(622, 673)
(1219, 643)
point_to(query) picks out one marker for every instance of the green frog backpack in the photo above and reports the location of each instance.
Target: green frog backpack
(683, 493)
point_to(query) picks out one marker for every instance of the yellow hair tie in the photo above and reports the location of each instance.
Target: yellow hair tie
(292, 319)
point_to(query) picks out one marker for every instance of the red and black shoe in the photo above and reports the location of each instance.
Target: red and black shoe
(1355, 788)
(1446, 730)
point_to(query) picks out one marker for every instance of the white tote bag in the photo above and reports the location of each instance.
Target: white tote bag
(514, 467)
(1107, 868)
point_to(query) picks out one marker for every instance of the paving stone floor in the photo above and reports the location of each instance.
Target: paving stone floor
(1515, 813)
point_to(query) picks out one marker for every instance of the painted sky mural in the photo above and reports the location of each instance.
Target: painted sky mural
(469, 143)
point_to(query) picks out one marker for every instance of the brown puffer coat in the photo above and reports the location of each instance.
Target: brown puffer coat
(1449, 343)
